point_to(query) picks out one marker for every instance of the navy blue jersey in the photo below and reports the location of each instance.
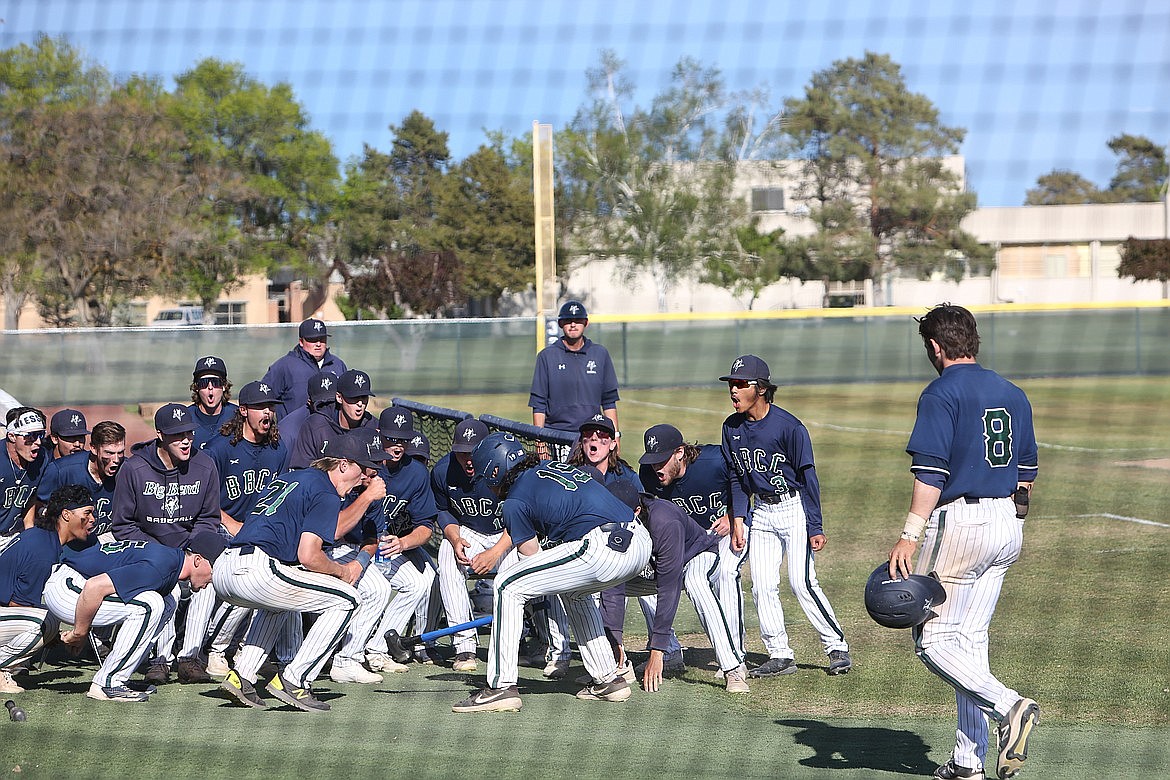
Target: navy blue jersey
(973, 435)
(408, 504)
(676, 539)
(297, 502)
(18, 485)
(134, 566)
(618, 474)
(772, 457)
(460, 499)
(559, 502)
(318, 430)
(292, 423)
(703, 491)
(570, 387)
(289, 377)
(245, 470)
(207, 425)
(25, 566)
(74, 470)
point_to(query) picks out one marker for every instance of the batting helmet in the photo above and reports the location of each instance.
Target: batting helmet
(495, 456)
(902, 603)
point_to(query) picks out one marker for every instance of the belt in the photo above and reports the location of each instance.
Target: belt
(977, 499)
(772, 498)
(246, 549)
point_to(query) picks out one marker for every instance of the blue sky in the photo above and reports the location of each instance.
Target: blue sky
(1038, 85)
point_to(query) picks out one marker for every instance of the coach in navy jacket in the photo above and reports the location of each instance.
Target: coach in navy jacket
(574, 378)
(289, 376)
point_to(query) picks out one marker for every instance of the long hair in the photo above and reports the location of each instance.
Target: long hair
(530, 461)
(612, 461)
(234, 430)
(227, 390)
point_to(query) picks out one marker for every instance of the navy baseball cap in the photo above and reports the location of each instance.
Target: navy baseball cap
(68, 422)
(357, 447)
(661, 441)
(599, 421)
(173, 418)
(209, 544)
(418, 447)
(747, 367)
(313, 329)
(468, 433)
(322, 388)
(354, 384)
(573, 310)
(624, 491)
(209, 366)
(396, 422)
(257, 394)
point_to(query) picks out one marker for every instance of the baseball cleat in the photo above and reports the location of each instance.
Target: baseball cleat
(774, 667)
(625, 671)
(952, 771)
(1014, 732)
(7, 684)
(159, 673)
(217, 665)
(736, 681)
(293, 695)
(242, 691)
(344, 671)
(556, 670)
(839, 662)
(491, 700)
(420, 656)
(615, 690)
(380, 662)
(115, 693)
(192, 670)
(465, 662)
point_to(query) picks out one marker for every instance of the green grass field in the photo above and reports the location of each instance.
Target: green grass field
(1081, 627)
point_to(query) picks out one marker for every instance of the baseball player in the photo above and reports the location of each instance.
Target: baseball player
(468, 514)
(348, 413)
(684, 556)
(289, 376)
(20, 470)
(593, 542)
(771, 455)
(96, 469)
(322, 389)
(574, 378)
(211, 394)
(973, 450)
(25, 567)
(402, 522)
(67, 433)
(697, 479)
(169, 492)
(132, 584)
(277, 563)
(249, 453)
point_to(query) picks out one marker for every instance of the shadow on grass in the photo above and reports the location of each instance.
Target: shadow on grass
(841, 747)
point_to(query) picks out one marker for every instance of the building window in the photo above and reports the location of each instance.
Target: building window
(767, 199)
(230, 313)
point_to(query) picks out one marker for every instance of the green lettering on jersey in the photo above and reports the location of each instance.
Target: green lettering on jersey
(997, 437)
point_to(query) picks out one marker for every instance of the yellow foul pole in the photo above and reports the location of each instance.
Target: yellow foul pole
(546, 261)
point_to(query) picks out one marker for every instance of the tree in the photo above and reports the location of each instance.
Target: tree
(51, 72)
(1145, 260)
(883, 199)
(1060, 188)
(650, 188)
(762, 259)
(275, 180)
(1141, 170)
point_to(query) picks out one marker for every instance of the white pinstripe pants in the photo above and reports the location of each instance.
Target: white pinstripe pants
(453, 584)
(231, 620)
(200, 607)
(970, 547)
(699, 576)
(413, 588)
(576, 570)
(139, 620)
(375, 594)
(22, 634)
(780, 530)
(270, 587)
(729, 589)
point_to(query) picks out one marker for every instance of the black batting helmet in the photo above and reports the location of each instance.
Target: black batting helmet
(902, 603)
(495, 456)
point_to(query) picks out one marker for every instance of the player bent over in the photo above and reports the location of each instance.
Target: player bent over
(25, 566)
(593, 541)
(132, 584)
(277, 564)
(973, 449)
(685, 556)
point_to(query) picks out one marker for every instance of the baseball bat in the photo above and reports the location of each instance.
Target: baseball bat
(407, 643)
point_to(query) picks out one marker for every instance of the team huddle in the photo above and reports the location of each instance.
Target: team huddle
(297, 532)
